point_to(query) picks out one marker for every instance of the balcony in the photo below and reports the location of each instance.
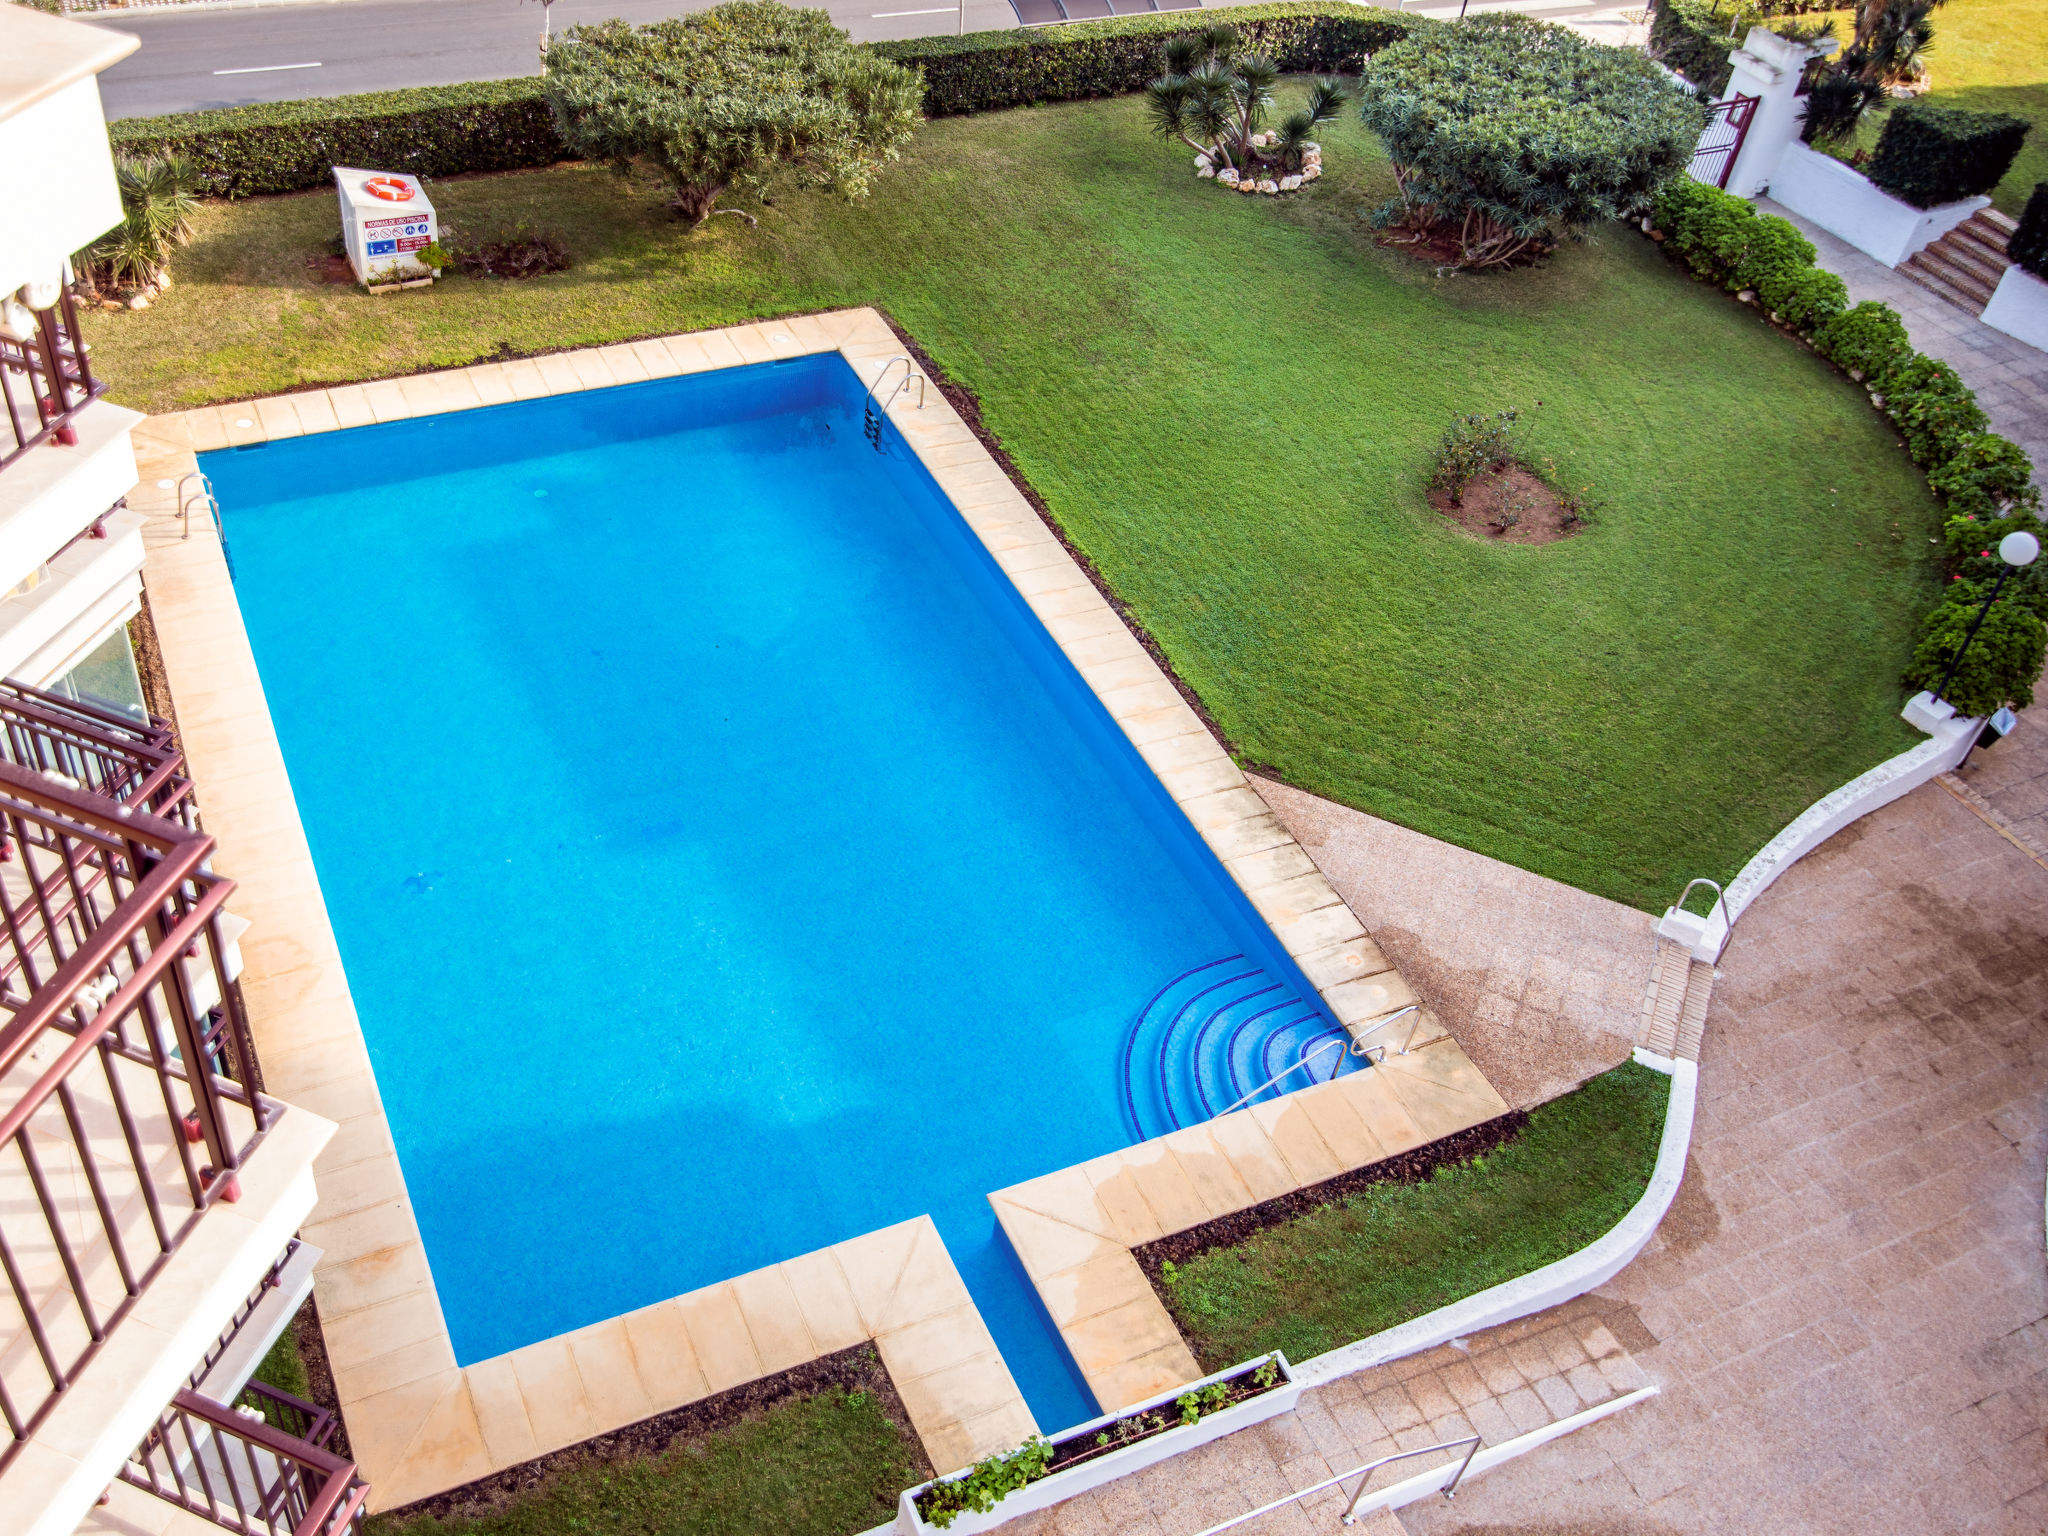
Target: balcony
(45, 381)
(147, 1184)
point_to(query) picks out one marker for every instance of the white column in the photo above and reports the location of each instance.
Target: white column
(1768, 67)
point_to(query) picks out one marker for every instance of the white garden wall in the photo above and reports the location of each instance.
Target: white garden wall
(2019, 307)
(1847, 204)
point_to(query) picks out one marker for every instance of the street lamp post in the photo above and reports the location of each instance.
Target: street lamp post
(2014, 551)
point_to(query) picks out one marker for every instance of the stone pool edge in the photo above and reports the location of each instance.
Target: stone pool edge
(419, 1423)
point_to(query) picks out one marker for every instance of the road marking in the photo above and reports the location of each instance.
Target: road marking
(263, 69)
(944, 10)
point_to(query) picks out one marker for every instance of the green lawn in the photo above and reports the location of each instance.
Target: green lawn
(1228, 403)
(1988, 56)
(823, 1465)
(1394, 1251)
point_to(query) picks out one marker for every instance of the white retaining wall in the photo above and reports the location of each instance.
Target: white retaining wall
(1846, 203)
(2019, 307)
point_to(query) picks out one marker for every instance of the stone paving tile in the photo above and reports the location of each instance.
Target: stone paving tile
(1846, 1310)
(1541, 984)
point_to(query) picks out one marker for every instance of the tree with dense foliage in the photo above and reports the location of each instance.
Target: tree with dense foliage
(1215, 100)
(1509, 135)
(733, 96)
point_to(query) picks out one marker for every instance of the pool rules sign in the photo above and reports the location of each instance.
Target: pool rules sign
(386, 221)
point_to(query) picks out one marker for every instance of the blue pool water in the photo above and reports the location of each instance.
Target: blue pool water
(725, 861)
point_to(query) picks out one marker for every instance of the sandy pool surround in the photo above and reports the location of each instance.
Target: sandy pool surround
(419, 1423)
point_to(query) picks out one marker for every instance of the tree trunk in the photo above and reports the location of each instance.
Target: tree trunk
(697, 201)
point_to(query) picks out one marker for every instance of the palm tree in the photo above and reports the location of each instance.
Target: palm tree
(1215, 102)
(159, 195)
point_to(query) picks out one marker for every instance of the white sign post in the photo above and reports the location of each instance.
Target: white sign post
(386, 221)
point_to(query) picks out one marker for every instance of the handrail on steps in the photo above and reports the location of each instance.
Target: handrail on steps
(1470, 1443)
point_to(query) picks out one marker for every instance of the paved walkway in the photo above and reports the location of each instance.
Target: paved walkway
(1541, 984)
(2010, 377)
(1849, 1299)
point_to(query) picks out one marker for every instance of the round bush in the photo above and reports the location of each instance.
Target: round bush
(1509, 134)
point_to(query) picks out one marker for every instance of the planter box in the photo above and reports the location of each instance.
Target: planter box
(1052, 1489)
(1847, 204)
(2019, 308)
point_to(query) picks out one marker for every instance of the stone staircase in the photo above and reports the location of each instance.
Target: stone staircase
(1675, 1003)
(1965, 264)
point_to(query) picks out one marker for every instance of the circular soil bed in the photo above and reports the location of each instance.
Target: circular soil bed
(1513, 505)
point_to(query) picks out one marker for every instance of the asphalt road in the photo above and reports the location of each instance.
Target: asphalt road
(228, 57)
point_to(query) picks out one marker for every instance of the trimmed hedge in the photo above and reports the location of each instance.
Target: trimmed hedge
(505, 125)
(987, 71)
(1932, 155)
(1985, 481)
(290, 146)
(2028, 246)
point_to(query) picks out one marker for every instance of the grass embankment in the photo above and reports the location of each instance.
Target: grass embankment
(1988, 56)
(1395, 1251)
(1229, 404)
(822, 1465)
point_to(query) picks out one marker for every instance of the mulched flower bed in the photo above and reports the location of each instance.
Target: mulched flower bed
(1511, 505)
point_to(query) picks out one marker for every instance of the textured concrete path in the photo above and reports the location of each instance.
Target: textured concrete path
(1847, 1309)
(1541, 984)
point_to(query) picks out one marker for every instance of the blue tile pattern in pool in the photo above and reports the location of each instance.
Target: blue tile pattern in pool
(725, 860)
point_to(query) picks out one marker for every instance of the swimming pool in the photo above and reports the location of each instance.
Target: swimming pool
(725, 860)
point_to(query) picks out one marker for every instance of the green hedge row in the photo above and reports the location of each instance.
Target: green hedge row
(987, 71)
(289, 146)
(2028, 245)
(1985, 481)
(505, 125)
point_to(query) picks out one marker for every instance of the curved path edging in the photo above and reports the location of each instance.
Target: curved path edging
(1552, 1285)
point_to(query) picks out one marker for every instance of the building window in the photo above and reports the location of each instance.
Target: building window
(107, 677)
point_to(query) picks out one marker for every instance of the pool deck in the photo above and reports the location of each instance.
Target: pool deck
(419, 1423)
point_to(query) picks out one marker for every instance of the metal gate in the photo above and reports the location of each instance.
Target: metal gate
(1727, 125)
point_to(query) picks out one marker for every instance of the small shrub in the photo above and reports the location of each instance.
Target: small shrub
(1805, 299)
(1715, 233)
(1868, 341)
(1774, 249)
(1931, 155)
(2003, 661)
(1934, 409)
(1988, 469)
(1471, 446)
(2028, 246)
(1691, 37)
(1971, 551)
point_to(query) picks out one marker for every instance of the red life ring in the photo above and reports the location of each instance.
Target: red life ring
(390, 188)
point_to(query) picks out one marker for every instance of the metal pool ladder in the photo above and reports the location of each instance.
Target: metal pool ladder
(203, 496)
(875, 408)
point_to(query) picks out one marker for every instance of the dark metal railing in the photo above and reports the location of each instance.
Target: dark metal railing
(244, 1475)
(243, 1312)
(127, 1099)
(45, 381)
(126, 761)
(292, 1415)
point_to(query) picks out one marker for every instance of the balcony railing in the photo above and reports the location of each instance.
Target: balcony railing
(126, 1100)
(45, 381)
(229, 1466)
(130, 762)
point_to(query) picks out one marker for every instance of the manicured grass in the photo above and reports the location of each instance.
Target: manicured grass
(284, 1368)
(1228, 403)
(1988, 56)
(824, 1465)
(1394, 1251)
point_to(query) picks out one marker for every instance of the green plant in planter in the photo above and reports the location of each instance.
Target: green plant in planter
(1931, 155)
(2028, 245)
(986, 1483)
(1868, 342)
(1193, 1405)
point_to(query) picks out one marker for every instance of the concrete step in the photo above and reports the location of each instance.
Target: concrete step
(1950, 281)
(2004, 222)
(1971, 256)
(1664, 998)
(1692, 1013)
(1980, 234)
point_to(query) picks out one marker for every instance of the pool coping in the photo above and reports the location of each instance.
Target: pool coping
(419, 1423)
